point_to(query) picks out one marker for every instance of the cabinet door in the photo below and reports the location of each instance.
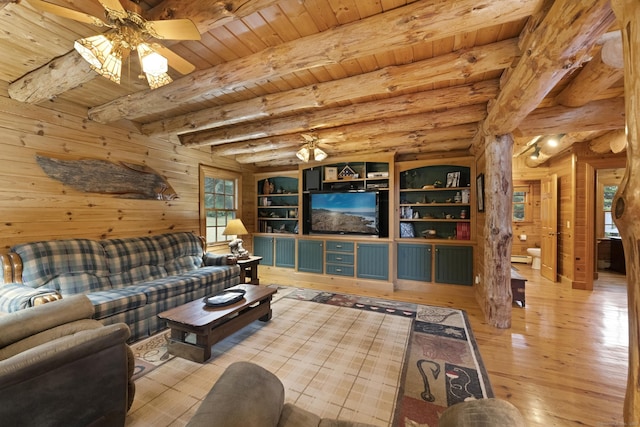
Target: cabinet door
(285, 252)
(310, 256)
(414, 262)
(454, 264)
(263, 246)
(373, 261)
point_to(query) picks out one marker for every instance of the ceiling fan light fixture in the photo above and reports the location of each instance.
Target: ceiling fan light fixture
(94, 49)
(112, 66)
(319, 155)
(151, 61)
(303, 154)
(157, 80)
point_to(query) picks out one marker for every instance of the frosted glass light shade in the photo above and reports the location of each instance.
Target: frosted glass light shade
(152, 62)
(303, 154)
(319, 155)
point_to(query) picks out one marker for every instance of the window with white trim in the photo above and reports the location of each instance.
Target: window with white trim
(219, 202)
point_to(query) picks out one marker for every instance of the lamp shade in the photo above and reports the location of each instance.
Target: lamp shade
(235, 227)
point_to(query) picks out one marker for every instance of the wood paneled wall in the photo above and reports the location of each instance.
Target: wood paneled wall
(36, 207)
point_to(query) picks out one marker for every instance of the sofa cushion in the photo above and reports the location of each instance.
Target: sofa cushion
(78, 283)
(133, 260)
(183, 252)
(167, 287)
(110, 302)
(45, 261)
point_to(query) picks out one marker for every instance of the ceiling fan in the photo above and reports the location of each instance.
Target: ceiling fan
(105, 52)
(310, 149)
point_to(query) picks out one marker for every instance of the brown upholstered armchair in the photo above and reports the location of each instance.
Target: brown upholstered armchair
(60, 367)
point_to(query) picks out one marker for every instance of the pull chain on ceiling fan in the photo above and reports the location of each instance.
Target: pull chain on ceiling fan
(105, 52)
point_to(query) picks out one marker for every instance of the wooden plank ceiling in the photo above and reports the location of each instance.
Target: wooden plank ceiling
(363, 76)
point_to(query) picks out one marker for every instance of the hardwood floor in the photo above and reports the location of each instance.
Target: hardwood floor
(563, 362)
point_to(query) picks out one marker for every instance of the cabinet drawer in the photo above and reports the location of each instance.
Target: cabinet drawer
(338, 258)
(335, 246)
(342, 270)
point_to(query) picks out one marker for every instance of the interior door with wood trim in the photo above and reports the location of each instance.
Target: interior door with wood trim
(549, 232)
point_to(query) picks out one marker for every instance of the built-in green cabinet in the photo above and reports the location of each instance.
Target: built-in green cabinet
(373, 261)
(278, 251)
(310, 256)
(414, 261)
(454, 264)
(285, 252)
(263, 246)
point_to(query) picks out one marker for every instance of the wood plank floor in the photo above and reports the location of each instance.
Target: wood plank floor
(563, 362)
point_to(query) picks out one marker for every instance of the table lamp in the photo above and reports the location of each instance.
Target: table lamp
(237, 228)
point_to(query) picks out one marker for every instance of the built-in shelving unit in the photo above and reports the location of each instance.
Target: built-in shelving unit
(435, 201)
(277, 204)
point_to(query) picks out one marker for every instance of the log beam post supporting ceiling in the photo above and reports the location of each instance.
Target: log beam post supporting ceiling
(626, 203)
(497, 231)
(552, 44)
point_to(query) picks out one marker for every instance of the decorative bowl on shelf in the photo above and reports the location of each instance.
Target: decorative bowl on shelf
(429, 233)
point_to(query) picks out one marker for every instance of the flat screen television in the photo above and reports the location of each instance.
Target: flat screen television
(345, 212)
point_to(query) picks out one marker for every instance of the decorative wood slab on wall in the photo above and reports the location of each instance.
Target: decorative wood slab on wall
(120, 179)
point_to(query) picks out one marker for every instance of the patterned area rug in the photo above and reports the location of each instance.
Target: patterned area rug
(442, 365)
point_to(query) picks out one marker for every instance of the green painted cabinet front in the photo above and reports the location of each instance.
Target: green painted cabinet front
(263, 246)
(454, 264)
(285, 252)
(414, 261)
(310, 256)
(373, 261)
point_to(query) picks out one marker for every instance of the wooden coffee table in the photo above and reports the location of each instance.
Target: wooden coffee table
(212, 324)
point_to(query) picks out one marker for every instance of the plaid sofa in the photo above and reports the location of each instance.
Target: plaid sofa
(128, 280)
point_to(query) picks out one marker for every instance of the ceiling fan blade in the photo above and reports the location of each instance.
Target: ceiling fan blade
(176, 62)
(173, 29)
(67, 13)
(114, 8)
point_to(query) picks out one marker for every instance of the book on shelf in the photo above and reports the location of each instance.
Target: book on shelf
(463, 231)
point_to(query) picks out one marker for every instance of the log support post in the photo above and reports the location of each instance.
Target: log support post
(498, 200)
(626, 203)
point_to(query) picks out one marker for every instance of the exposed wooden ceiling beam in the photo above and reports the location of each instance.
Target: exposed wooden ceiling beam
(70, 70)
(455, 65)
(607, 114)
(403, 26)
(552, 48)
(415, 103)
(383, 134)
(547, 151)
(595, 77)
(390, 140)
(603, 143)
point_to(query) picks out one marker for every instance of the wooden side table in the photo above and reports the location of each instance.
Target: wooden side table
(249, 270)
